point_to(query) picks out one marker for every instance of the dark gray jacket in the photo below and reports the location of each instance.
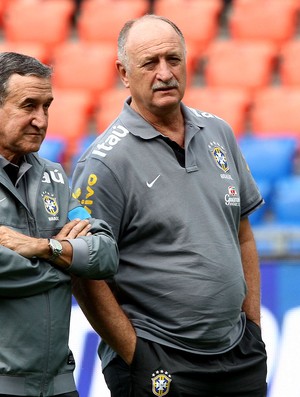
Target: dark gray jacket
(35, 297)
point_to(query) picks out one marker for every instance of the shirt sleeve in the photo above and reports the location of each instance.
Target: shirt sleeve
(101, 194)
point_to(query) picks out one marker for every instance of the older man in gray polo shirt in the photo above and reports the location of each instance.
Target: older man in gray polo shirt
(176, 190)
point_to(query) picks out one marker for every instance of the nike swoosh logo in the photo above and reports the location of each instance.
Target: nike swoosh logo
(152, 183)
(2, 199)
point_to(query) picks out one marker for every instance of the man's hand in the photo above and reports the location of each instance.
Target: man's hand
(18, 242)
(74, 229)
(30, 246)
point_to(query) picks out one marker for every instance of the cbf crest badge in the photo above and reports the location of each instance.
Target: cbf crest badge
(161, 381)
(219, 154)
(50, 203)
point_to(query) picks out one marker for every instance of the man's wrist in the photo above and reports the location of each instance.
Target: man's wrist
(55, 249)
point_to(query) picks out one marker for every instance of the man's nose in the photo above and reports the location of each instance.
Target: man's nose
(40, 118)
(164, 72)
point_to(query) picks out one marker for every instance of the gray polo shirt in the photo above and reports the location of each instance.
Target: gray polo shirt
(180, 278)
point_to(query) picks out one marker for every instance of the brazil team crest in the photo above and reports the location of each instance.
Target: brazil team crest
(161, 381)
(50, 203)
(219, 154)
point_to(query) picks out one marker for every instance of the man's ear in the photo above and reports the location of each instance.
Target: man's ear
(122, 73)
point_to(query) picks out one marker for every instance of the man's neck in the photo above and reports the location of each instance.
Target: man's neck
(170, 124)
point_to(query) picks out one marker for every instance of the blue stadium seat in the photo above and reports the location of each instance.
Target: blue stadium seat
(286, 201)
(53, 149)
(83, 144)
(269, 158)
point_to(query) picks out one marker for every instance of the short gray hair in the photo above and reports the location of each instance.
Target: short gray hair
(123, 35)
(24, 65)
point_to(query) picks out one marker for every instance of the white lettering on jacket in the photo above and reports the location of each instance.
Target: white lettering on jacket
(112, 140)
(204, 114)
(54, 175)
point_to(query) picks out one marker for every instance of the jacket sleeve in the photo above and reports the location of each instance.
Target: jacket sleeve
(95, 256)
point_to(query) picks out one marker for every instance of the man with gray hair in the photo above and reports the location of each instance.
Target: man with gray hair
(46, 237)
(181, 318)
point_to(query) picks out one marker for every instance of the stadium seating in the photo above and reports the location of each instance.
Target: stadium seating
(286, 199)
(239, 64)
(53, 149)
(275, 110)
(274, 20)
(46, 22)
(3, 6)
(108, 106)
(83, 144)
(231, 104)
(36, 50)
(290, 64)
(269, 158)
(198, 20)
(69, 116)
(85, 66)
(101, 21)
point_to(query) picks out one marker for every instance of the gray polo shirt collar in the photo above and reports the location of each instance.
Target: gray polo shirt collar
(138, 126)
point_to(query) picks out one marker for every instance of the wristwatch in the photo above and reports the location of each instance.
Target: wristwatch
(56, 248)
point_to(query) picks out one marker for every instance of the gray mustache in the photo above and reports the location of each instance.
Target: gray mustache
(161, 85)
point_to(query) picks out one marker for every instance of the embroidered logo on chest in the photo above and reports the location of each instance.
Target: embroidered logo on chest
(51, 205)
(219, 155)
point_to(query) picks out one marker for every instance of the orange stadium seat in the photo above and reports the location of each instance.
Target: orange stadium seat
(239, 64)
(101, 21)
(275, 111)
(69, 117)
(3, 6)
(109, 106)
(274, 20)
(289, 65)
(84, 66)
(198, 20)
(35, 50)
(232, 105)
(193, 62)
(46, 22)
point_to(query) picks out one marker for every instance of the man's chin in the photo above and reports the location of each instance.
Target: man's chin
(168, 101)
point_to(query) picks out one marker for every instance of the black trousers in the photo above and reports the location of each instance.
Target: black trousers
(162, 371)
(70, 394)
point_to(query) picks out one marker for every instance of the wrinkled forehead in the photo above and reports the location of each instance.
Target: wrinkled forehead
(29, 87)
(151, 30)
(153, 36)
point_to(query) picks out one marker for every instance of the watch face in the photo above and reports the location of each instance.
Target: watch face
(56, 248)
